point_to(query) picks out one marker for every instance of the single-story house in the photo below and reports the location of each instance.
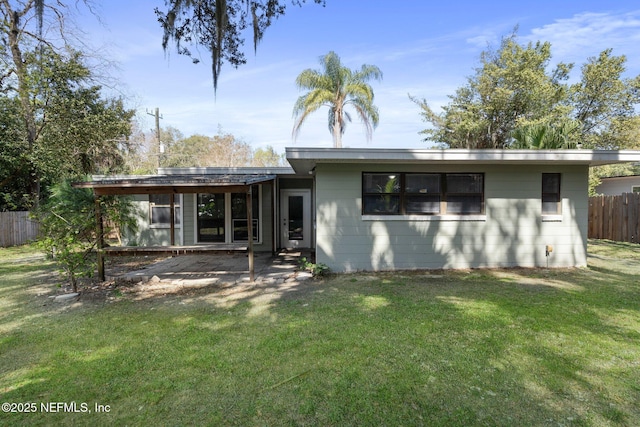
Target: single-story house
(616, 185)
(379, 209)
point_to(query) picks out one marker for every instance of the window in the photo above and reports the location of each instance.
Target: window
(381, 193)
(422, 193)
(222, 217)
(464, 193)
(239, 215)
(551, 201)
(635, 189)
(211, 218)
(160, 210)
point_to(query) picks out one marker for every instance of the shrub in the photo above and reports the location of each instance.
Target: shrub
(69, 227)
(317, 270)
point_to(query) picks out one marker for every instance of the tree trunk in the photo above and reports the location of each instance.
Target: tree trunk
(337, 129)
(28, 115)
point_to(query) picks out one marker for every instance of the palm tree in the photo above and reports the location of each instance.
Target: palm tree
(545, 136)
(336, 87)
(533, 137)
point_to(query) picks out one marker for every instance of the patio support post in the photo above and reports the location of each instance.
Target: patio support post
(100, 239)
(172, 220)
(250, 232)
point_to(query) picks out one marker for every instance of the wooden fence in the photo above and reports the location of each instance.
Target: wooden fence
(615, 217)
(16, 228)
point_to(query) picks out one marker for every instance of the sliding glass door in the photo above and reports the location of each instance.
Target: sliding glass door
(222, 217)
(211, 214)
(239, 216)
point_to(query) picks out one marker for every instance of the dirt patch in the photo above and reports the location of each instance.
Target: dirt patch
(115, 266)
(94, 290)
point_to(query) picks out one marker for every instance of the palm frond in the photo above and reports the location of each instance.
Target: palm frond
(368, 72)
(307, 104)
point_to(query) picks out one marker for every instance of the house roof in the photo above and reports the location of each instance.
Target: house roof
(216, 170)
(163, 184)
(304, 160)
(620, 177)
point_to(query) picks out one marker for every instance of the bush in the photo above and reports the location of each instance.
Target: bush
(317, 270)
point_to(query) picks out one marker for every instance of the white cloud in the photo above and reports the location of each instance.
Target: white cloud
(486, 38)
(590, 33)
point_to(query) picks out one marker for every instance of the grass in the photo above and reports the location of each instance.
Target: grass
(458, 348)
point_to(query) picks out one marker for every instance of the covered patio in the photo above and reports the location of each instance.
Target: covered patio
(174, 185)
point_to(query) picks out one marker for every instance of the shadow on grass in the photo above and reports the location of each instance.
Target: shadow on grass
(505, 347)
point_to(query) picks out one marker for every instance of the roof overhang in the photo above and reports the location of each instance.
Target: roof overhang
(304, 160)
(165, 184)
(621, 178)
(217, 170)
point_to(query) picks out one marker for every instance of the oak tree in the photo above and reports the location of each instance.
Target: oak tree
(515, 96)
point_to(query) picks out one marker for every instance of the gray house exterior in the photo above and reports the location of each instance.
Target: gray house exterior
(512, 226)
(382, 209)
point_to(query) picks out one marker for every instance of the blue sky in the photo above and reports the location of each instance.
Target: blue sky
(426, 49)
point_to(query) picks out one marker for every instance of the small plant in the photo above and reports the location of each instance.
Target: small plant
(304, 263)
(317, 270)
(320, 270)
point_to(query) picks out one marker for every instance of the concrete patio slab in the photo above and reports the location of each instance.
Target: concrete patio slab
(221, 269)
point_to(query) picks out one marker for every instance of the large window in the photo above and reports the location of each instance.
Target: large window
(239, 215)
(160, 210)
(551, 200)
(422, 193)
(211, 210)
(222, 217)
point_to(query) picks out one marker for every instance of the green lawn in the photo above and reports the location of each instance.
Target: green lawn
(463, 348)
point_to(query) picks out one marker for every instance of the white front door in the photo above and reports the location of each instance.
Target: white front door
(295, 218)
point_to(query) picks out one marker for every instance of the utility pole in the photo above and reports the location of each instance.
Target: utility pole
(160, 146)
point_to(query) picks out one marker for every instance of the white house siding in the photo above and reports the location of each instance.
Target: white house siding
(618, 185)
(512, 233)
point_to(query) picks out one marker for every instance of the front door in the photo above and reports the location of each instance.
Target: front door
(295, 218)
